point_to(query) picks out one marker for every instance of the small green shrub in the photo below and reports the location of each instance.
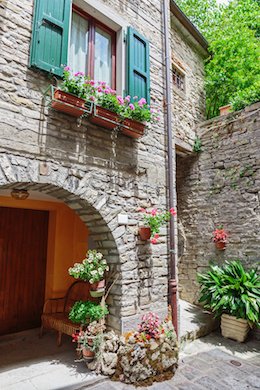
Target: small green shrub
(197, 145)
(83, 312)
(231, 289)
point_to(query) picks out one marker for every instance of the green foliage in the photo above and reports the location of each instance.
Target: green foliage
(197, 145)
(74, 84)
(109, 101)
(83, 312)
(231, 289)
(246, 97)
(233, 70)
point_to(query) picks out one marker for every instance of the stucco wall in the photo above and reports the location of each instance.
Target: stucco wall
(67, 243)
(220, 186)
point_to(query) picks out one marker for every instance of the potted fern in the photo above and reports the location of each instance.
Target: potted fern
(233, 293)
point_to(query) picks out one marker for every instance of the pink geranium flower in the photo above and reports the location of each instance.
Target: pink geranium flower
(131, 106)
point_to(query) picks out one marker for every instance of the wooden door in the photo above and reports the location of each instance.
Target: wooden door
(23, 251)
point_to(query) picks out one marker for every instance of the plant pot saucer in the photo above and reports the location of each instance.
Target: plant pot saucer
(97, 293)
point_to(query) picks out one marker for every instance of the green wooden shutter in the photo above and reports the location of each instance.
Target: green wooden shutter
(49, 47)
(138, 65)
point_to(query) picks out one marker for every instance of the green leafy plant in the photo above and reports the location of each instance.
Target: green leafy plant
(83, 312)
(231, 289)
(138, 110)
(74, 83)
(197, 145)
(91, 269)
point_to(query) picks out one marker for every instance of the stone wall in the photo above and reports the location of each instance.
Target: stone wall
(97, 172)
(188, 108)
(220, 186)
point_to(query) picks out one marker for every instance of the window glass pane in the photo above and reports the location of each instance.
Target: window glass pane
(103, 56)
(78, 55)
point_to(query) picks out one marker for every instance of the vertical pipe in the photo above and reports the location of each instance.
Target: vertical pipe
(172, 254)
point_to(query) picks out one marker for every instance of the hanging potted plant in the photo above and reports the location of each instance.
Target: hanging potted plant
(92, 269)
(136, 114)
(153, 220)
(220, 238)
(233, 293)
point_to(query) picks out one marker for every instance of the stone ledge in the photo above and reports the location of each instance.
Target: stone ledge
(194, 322)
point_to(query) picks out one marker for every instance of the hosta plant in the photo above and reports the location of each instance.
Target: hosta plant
(232, 290)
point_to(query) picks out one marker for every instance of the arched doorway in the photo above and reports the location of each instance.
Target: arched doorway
(52, 229)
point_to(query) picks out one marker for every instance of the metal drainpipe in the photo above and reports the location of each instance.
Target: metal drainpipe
(172, 265)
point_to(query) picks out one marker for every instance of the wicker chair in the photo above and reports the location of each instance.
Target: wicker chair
(55, 310)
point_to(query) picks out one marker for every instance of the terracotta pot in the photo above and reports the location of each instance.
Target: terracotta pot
(72, 106)
(97, 289)
(88, 354)
(224, 110)
(103, 117)
(98, 285)
(144, 233)
(132, 128)
(220, 245)
(234, 328)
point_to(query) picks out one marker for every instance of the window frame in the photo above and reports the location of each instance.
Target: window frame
(180, 73)
(93, 23)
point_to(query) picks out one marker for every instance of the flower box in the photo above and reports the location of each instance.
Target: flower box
(104, 118)
(132, 128)
(68, 103)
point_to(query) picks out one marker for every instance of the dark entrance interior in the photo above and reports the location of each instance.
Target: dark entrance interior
(23, 253)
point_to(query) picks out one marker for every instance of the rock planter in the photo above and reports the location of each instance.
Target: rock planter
(234, 328)
(131, 360)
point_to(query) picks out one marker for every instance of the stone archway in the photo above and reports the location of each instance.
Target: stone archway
(63, 184)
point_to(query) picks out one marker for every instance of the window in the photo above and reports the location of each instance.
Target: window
(178, 79)
(92, 47)
(64, 34)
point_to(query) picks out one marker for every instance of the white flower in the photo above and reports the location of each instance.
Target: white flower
(107, 268)
(91, 281)
(99, 256)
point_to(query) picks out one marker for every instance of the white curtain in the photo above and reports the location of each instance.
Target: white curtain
(103, 54)
(78, 55)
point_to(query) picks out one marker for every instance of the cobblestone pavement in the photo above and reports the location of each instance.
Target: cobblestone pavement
(211, 363)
